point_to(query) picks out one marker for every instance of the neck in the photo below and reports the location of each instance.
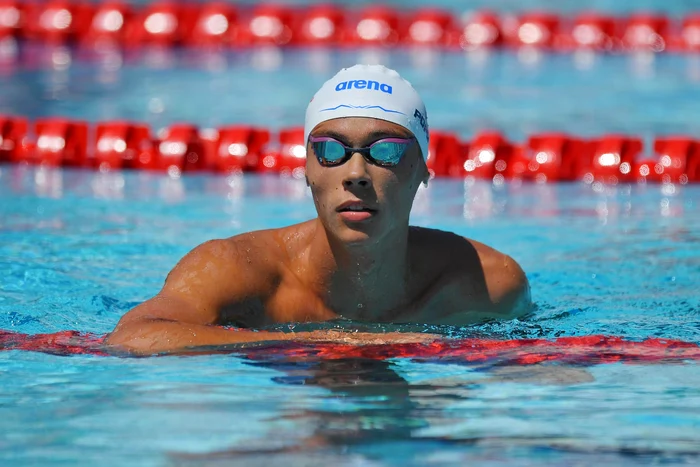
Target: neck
(361, 281)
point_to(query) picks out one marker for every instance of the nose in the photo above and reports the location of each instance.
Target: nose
(356, 174)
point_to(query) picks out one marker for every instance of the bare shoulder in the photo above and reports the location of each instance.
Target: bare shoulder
(508, 287)
(294, 239)
(494, 281)
(257, 249)
(221, 270)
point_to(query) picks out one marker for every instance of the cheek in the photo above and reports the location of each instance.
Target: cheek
(406, 179)
(399, 189)
(392, 190)
(313, 177)
(320, 185)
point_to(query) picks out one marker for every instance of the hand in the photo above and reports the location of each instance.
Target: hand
(366, 338)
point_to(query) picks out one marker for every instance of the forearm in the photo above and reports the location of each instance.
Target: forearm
(158, 336)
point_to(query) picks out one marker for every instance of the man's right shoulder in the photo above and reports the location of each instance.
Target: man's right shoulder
(261, 249)
(221, 270)
(245, 264)
(251, 249)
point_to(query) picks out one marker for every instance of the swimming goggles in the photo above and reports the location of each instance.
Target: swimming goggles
(385, 152)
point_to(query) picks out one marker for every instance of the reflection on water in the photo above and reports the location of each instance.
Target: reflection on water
(383, 406)
(373, 411)
(367, 402)
(470, 199)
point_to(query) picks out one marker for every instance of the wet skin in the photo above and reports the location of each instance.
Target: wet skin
(370, 266)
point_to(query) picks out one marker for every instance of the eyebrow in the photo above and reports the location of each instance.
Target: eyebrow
(373, 136)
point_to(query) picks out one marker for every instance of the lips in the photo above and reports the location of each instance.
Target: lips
(355, 206)
(355, 211)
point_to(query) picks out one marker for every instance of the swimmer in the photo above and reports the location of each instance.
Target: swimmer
(366, 131)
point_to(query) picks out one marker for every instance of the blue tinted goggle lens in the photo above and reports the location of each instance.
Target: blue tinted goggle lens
(386, 152)
(331, 151)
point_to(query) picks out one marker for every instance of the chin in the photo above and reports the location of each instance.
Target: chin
(355, 233)
(353, 237)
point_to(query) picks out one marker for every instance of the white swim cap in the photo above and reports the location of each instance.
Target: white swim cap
(370, 91)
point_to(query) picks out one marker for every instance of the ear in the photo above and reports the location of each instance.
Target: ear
(426, 176)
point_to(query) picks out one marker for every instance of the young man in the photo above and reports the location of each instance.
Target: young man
(367, 141)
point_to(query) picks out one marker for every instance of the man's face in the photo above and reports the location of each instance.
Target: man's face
(383, 195)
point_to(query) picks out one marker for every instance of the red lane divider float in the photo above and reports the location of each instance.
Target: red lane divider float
(582, 350)
(222, 24)
(59, 343)
(185, 148)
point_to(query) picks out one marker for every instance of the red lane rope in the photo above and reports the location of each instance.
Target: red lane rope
(583, 350)
(220, 24)
(59, 343)
(183, 147)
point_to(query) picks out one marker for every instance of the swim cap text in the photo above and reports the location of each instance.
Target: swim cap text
(363, 84)
(422, 120)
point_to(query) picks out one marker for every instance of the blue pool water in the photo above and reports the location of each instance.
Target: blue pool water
(79, 249)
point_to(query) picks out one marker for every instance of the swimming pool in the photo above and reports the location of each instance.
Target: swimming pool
(79, 248)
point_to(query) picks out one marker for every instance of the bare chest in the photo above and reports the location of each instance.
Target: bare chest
(434, 302)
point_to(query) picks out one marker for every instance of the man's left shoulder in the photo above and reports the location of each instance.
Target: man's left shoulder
(506, 282)
(494, 280)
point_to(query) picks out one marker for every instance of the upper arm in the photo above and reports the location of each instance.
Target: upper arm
(509, 288)
(209, 277)
(506, 283)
